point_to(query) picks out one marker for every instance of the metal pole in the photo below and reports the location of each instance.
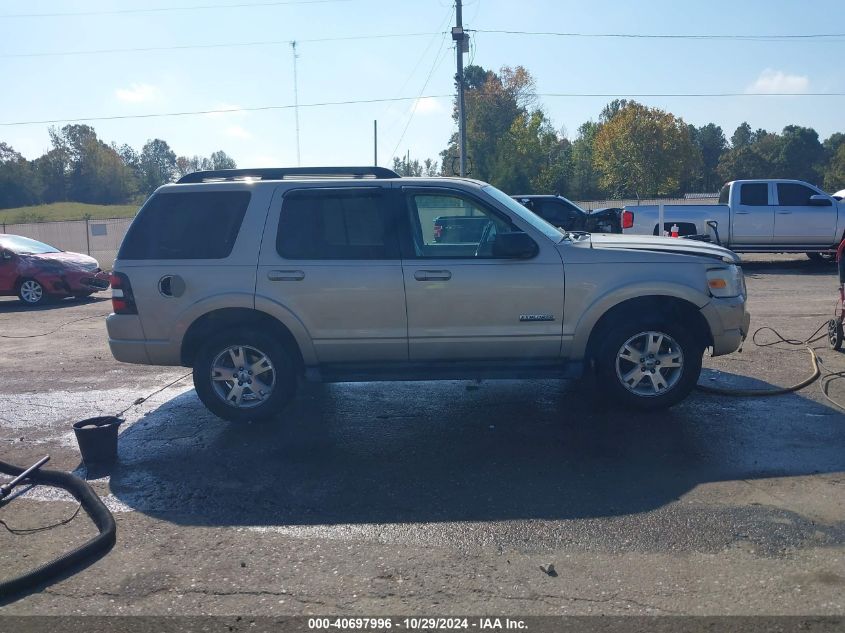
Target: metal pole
(296, 101)
(458, 37)
(661, 230)
(87, 236)
(375, 143)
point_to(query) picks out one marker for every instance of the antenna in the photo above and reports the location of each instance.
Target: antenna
(296, 100)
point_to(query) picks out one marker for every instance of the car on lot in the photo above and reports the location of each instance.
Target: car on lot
(260, 278)
(564, 213)
(840, 195)
(37, 272)
(756, 216)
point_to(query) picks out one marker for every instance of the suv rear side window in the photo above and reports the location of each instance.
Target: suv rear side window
(791, 194)
(336, 224)
(754, 194)
(186, 225)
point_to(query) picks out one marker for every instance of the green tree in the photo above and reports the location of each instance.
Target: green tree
(644, 151)
(221, 160)
(585, 178)
(711, 143)
(157, 165)
(834, 178)
(19, 182)
(801, 155)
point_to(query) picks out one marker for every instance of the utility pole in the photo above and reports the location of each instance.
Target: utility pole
(375, 143)
(460, 40)
(296, 101)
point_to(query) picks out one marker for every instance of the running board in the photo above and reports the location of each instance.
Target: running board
(457, 370)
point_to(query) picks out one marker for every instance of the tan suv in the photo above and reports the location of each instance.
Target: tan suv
(260, 278)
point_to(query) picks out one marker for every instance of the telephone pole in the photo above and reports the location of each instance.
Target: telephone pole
(461, 43)
(296, 101)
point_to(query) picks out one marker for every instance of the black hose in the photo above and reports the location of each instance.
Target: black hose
(84, 554)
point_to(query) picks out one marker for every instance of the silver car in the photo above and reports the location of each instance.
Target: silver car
(258, 279)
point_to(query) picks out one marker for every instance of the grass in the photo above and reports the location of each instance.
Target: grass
(66, 211)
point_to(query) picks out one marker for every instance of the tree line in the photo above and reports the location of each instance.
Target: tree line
(632, 150)
(80, 167)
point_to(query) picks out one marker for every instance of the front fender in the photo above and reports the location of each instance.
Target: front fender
(575, 341)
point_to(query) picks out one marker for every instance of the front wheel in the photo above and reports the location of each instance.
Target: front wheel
(32, 293)
(649, 364)
(243, 375)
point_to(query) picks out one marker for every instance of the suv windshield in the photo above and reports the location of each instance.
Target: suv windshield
(25, 246)
(532, 218)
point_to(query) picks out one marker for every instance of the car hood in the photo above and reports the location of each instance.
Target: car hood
(674, 245)
(68, 261)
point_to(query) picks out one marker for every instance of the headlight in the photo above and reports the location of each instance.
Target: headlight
(726, 282)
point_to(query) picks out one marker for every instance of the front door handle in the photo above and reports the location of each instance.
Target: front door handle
(741, 212)
(784, 212)
(432, 275)
(286, 275)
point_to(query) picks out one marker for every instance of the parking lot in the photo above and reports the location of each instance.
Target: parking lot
(441, 498)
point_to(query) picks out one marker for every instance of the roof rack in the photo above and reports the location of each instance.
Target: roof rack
(281, 173)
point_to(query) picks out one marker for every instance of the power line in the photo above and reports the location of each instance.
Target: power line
(674, 36)
(438, 59)
(610, 95)
(200, 7)
(286, 42)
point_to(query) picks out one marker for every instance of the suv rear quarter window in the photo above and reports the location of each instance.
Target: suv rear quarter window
(186, 225)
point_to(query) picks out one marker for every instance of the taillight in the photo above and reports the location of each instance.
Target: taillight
(438, 231)
(122, 299)
(627, 219)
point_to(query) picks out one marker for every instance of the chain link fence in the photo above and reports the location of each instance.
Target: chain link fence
(98, 238)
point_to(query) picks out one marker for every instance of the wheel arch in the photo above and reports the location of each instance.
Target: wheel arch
(671, 307)
(230, 318)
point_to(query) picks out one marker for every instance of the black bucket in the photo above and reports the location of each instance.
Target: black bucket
(97, 439)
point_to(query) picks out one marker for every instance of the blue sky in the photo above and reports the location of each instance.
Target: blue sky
(116, 84)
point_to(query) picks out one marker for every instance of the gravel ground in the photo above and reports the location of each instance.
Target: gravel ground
(439, 498)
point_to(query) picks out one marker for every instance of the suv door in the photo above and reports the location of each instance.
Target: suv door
(466, 303)
(330, 255)
(799, 222)
(753, 215)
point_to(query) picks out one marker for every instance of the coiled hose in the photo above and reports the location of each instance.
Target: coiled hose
(85, 553)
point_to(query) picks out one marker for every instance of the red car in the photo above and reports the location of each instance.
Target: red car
(36, 272)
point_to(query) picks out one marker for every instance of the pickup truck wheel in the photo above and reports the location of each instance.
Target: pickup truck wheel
(822, 258)
(243, 375)
(649, 364)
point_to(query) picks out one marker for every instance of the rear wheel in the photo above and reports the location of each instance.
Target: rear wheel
(243, 375)
(649, 364)
(31, 292)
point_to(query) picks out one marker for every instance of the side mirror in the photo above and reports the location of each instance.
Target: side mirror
(515, 245)
(819, 200)
(7, 255)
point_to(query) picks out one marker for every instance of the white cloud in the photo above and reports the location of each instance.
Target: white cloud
(137, 93)
(776, 81)
(236, 131)
(428, 105)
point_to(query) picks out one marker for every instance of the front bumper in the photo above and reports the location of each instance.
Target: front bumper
(729, 323)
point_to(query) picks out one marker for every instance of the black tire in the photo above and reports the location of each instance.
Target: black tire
(31, 292)
(834, 334)
(678, 383)
(282, 365)
(822, 258)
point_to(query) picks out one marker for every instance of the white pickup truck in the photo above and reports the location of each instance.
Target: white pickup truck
(755, 216)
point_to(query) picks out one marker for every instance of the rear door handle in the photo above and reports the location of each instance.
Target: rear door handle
(286, 275)
(783, 212)
(432, 275)
(741, 212)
